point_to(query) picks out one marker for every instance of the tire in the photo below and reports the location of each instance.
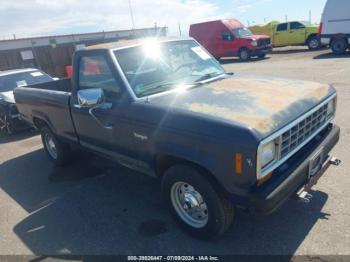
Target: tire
(244, 54)
(339, 46)
(215, 213)
(57, 151)
(6, 123)
(313, 43)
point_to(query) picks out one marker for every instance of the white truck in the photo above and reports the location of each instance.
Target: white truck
(335, 25)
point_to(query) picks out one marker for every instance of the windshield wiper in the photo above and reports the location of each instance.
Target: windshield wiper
(208, 76)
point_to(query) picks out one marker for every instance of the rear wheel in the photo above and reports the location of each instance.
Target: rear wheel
(57, 151)
(244, 54)
(314, 43)
(339, 46)
(194, 202)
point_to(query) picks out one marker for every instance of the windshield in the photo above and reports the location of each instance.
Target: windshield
(157, 67)
(11, 81)
(242, 32)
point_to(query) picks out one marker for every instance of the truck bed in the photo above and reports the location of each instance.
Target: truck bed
(49, 102)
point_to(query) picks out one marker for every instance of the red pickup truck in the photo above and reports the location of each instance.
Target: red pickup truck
(229, 37)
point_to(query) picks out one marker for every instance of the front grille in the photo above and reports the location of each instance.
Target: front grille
(264, 42)
(303, 130)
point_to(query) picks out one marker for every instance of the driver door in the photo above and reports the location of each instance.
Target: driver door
(229, 46)
(97, 120)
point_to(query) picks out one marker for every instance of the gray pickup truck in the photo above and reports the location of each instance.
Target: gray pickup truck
(168, 109)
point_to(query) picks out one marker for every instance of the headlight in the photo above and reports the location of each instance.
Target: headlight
(331, 108)
(254, 43)
(267, 153)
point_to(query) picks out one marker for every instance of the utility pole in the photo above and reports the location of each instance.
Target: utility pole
(310, 16)
(131, 15)
(286, 18)
(180, 29)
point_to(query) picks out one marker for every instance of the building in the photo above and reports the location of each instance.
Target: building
(53, 53)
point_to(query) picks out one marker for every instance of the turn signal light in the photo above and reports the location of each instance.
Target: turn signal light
(238, 164)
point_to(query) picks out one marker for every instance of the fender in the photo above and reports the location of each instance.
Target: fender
(41, 116)
(187, 153)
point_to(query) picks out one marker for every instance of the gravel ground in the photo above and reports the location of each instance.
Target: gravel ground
(98, 207)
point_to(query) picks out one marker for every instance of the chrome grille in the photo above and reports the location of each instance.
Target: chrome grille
(303, 130)
(264, 42)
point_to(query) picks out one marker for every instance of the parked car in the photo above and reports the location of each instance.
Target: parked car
(291, 33)
(168, 109)
(228, 38)
(335, 25)
(10, 119)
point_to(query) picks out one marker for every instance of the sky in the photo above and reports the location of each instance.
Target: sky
(26, 18)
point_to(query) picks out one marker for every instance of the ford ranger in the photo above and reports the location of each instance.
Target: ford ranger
(166, 108)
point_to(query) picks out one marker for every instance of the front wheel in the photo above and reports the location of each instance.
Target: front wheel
(314, 43)
(194, 202)
(57, 151)
(244, 54)
(339, 46)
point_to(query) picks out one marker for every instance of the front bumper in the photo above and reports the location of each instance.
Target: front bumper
(292, 176)
(261, 51)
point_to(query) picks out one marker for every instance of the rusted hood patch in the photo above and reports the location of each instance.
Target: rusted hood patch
(261, 104)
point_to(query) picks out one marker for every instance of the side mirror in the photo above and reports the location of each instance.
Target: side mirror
(90, 97)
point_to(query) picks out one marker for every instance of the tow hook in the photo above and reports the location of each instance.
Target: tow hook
(304, 197)
(335, 161)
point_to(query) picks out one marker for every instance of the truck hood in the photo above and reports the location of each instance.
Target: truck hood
(264, 105)
(8, 96)
(256, 37)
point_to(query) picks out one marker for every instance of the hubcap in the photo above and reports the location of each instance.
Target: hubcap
(189, 204)
(4, 124)
(50, 145)
(244, 55)
(314, 43)
(339, 46)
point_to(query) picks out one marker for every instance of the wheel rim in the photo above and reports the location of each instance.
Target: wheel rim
(314, 43)
(189, 204)
(4, 124)
(50, 146)
(244, 55)
(339, 46)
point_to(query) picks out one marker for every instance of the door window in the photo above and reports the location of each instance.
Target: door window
(282, 27)
(227, 36)
(296, 25)
(94, 72)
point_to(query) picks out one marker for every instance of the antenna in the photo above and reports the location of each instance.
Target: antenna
(131, 15)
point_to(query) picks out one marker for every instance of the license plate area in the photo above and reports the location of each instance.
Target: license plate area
(315, 163)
